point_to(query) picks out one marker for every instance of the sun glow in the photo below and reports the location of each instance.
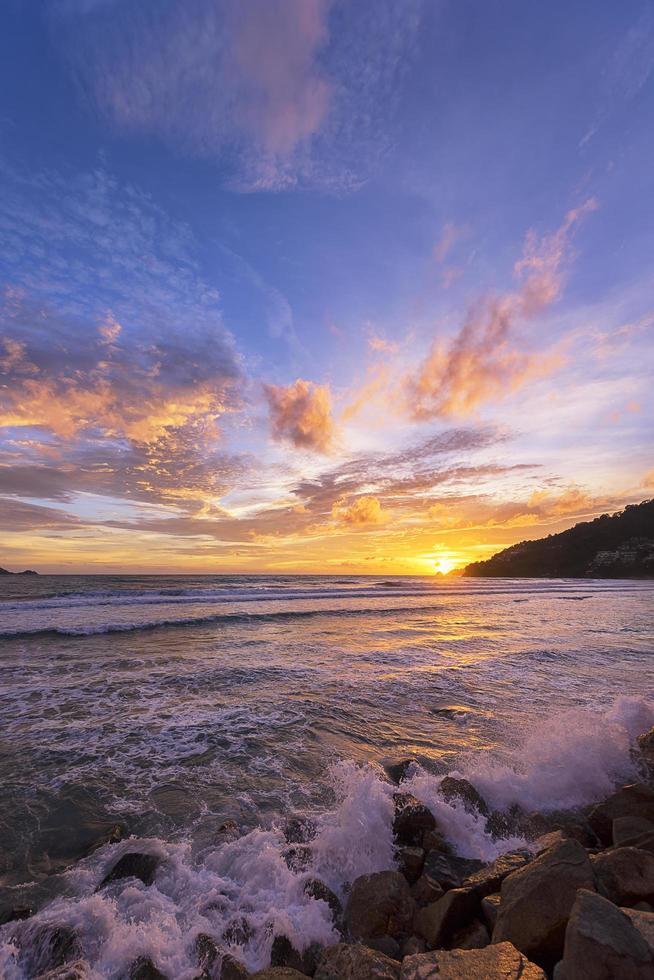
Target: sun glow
(445, 565)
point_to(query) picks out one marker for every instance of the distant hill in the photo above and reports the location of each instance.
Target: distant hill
(612, 546)
(28, 571)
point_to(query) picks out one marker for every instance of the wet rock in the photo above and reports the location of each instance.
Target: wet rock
(499, 962)
(644, 922)
(500, 824)
(569, 824)
(238, 932)
(433, 840)
(412, 820)
(284, 953)
(410, 861)
(227, 832)
(426, 891)
(346, 962)
(15, 914)
(635, 800)
(643, 907)
(79, 970)
(645, 744)
(438, 923)
(144, 969)
(545, 841)
(645, 842)
(299, 830)
(602, 942)
(397, 771)
(413, 946)
(216, 963)
(297, 857)
(386, 945)
(473, 936)
(449, 870)
(456, 790)
(537, 900)
(624, 875)
(133, 865)
(315, 888)
(490, 878)
(490, 907)
(627, 829)
(278, 973)
(380, 905)
(48, 947)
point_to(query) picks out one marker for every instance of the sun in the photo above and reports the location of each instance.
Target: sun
(444, 565)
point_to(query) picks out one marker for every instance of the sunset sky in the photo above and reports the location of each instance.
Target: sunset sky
(321, 285)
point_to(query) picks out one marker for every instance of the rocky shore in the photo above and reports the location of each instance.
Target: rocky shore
(576, 903)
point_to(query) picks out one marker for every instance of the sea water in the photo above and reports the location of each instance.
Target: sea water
(172, 704)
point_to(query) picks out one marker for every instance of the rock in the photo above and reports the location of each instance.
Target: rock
(644, 922)
(48, 947)
(426, 891)
(412, 820)
(449, 870)
(278, 973)
(489, 879)
(238, 932)
(624, 875)
(537, 899)
(386, 945)
(643, 907)
(133, 865)
(79, 970)
(413, 946)
(297, 857)
(635, 800)
(380, 905)
(645, 745)
(548, 840)
(227, 832)
(216, 962)
(315, 888)
(433, 840)
(15, 914)
(570, 824)
(437, 923)
(461, 791)
(490, 907)
(284, 953)
(144, 969)
(602, 943)
(645, 842)
(397, 771)
(410, 861)
(299, 830)
(345, 962)
(473, 936)
(498, 962)
(626, 829)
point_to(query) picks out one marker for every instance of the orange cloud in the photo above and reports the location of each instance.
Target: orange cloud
(648, 479)
(362, 511)
(301, 414)
(482, 361)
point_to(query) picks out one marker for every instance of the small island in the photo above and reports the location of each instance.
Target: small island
(28, 571)
(612, 546)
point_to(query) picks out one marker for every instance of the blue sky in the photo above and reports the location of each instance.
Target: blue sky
(312, 284)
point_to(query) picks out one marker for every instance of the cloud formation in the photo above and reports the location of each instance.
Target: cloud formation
(360, 512)
(484, 360)
(301, 415)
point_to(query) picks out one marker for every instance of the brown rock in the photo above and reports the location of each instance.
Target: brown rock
(397, 771)
(133, 865)
(284, 953)
(490, 907)
(627, 829)
(449, 870)
(602, 943)
(635, 800)
(144, 969)
(386, 945)
(473, 936)
(380, 905)
(461, 791)
(413, 946)
(438, 923)
(216, 962)
(425, 891)
(299, 830)
(489, 879)
(278, 973)
(645, 745)
(624, 875)
(499, 962)
(644, 922)
(345, 962)
(410, 861)
(315, 888)
(79, 970)
(433, 840)
(537, 900)
(545, 841)
(412, 820)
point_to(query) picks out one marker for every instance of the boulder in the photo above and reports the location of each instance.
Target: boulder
(644, 922)
(635, 800)
(410, 861)
(227, 832)
(413, 946)
(299, 830)
(380, 905)
(645, 745)
(284, 953)
(238, 931)
(133, 865)
(473, 936)
(455, 790)
(490, 907)
(79, 970)
(624, 875)
(489, 879)
(144, 969)
(345, 962)
(317, 889)
(15, 914)
(216, 962)
(627, 829)
(412, 820)
(386, 945)
(438, 923)
(397, 771)
(537, 900)
(449, 870)
(433, 840)
(46, 948)
(602, 943)
(498, 962)
(545, 841)
(297, 857)
(278, 973)
(425, 891)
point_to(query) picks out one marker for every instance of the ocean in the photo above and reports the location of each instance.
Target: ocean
(169, 705)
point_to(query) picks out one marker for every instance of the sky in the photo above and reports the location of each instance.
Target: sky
(321, 286)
